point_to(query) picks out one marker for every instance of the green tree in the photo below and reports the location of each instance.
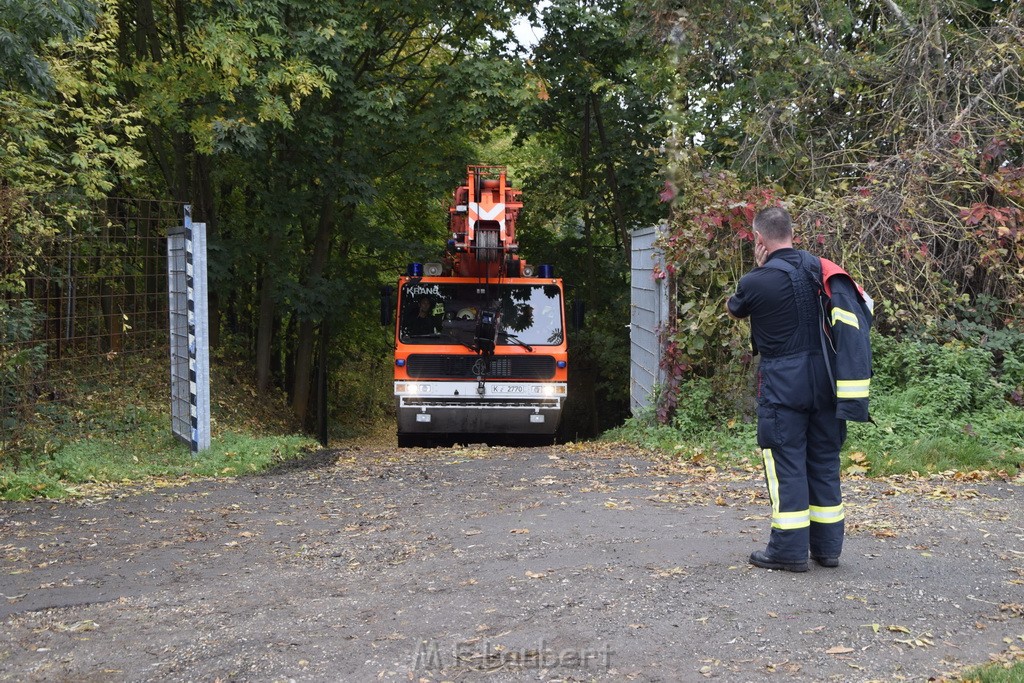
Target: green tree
(591, 175)
(59, 147)
(306, 115)
(26, 26)
(66, 137)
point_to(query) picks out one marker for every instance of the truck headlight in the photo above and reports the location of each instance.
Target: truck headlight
(412, 389)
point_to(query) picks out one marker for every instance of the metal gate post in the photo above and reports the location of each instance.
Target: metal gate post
(649, 311)
(189, 333)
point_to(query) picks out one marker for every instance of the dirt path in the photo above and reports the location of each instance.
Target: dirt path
(571, 563)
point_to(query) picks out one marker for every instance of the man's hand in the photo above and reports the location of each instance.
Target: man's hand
(760, 254)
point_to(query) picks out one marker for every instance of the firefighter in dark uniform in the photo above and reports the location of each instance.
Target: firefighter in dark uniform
(797, 428)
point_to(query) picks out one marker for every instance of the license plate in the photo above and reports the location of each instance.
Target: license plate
(508, 389)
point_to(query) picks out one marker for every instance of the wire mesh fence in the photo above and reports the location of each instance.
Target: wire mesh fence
(84, 290)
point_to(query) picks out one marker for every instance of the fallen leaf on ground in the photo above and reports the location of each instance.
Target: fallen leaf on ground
(668, 573)
(78, 626)
(922, 640)
(1014, 608)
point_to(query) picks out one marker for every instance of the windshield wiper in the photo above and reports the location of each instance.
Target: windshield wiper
(438, 335)
(516, 340)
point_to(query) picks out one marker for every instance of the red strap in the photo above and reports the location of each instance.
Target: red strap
(828, 269)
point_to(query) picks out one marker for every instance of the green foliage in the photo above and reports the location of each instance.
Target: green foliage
(80, 137)
(644, 431)
(938, 407)
(960, 375)
(21, 358)
(361, 383)
(704, 255)
(586, 158)
(594, 125)
(26, 26)
(898, 142)
(691, 417)
(980, 327)
(320, 138)
(731, 442)
(60, 146)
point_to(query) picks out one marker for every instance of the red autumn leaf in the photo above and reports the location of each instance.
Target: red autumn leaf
(976, 214)
(668, 192)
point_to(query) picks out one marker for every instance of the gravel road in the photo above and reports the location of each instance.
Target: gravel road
(577, 562)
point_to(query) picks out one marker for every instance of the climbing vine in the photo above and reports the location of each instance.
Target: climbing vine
(706, 249)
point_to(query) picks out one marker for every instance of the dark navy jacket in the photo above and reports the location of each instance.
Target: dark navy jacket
(844, 321)
(849, 313)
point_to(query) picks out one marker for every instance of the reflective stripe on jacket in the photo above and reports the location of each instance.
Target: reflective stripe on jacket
(846, 318)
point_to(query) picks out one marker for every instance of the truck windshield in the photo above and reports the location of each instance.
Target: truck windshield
(444, 313)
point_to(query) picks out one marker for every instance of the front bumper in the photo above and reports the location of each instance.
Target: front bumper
(431, 407)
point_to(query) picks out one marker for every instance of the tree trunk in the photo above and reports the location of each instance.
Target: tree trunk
(307, 326)
(618, 215)
(265, 327)
(588, 233)
(286, 357)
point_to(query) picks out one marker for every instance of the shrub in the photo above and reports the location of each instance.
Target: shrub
(21, 361)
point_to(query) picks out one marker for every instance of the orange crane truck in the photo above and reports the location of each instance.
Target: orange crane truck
(480, 335)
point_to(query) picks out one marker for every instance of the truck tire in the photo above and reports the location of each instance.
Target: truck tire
(409, 440)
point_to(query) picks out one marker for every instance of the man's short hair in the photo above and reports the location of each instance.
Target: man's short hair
(774, 223)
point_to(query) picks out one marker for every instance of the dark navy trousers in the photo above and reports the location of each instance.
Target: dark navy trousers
(800, 438)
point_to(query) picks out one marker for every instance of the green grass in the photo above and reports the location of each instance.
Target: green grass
(880, 449)
(917, 428)
(937, 407)
(734, 442)
(105, 460)
(996, 673)
(120, 432)
(916, 433)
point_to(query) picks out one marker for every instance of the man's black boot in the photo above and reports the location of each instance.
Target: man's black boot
(826, 561)
(760, 558)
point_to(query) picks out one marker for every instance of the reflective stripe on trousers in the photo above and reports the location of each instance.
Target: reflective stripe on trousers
(795, 519)
(827, 515)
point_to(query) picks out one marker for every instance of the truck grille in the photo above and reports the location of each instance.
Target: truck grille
(421, 365)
